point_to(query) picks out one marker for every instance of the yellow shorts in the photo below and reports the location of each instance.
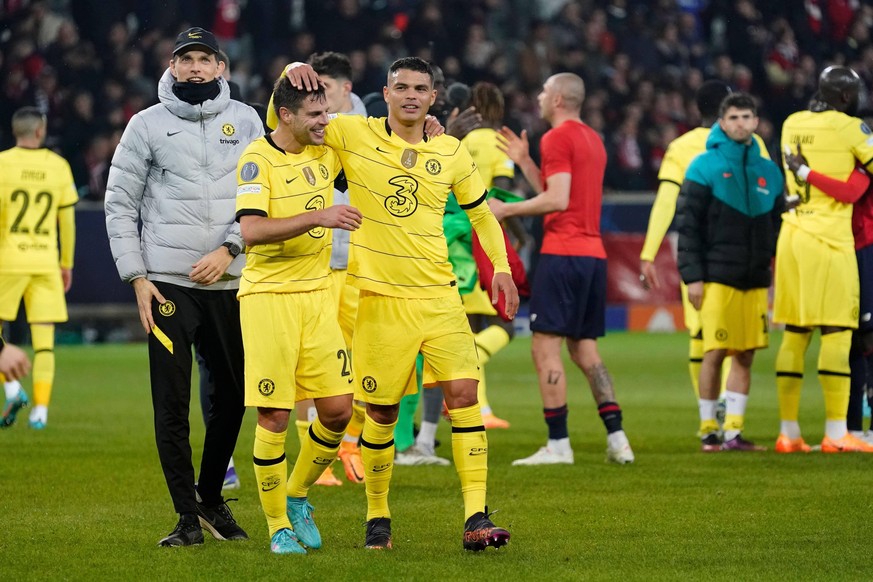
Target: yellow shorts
(346, 298)
(391, 331)
(733, 319)
(294, 348)
(692, 316)
(816, 284)
(478, 302)
(43, 294)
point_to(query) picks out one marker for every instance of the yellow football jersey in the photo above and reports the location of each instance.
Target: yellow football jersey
(278, 184)
(491, 161)
(677, 158)
(34, 184)
(401, 189)
(832, 143)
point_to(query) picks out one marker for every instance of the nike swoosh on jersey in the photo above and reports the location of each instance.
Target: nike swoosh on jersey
(289, 181)
(378, 149)
(171, 134)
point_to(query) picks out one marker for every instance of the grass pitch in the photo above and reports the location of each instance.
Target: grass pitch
(85, 499)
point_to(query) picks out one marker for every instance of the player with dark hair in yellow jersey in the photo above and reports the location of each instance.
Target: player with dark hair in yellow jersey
(294, 347)
(335, 71)
(37, 195)
(400, 180)
(676, 160)
(816, 266)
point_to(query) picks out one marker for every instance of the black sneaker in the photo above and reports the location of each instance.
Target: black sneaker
(186, 533)
(378, 534)
(480, 533)
(219, 522)
(710, 443)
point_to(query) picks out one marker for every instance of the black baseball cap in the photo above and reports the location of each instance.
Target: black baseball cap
(195, 37)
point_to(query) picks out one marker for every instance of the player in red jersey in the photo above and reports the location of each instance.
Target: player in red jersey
(568, 301)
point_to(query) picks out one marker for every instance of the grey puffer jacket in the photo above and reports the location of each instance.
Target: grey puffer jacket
(175, 169)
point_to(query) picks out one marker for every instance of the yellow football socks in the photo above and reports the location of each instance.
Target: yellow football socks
(43, 339)
(356, 423)
(725, 372)
(695, 358)
(271, 471)
(489, 341)
(789, 374)
(318, 450)
(377, 454)
(833, 373)
(302, 427)
(470, 451)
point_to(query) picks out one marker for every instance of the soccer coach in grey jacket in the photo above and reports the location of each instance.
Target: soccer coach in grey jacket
(175, 169)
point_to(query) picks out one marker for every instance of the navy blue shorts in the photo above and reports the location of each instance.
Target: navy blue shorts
(568, 297)
(865, 274)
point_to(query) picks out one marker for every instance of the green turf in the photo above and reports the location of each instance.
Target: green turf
(85, 499)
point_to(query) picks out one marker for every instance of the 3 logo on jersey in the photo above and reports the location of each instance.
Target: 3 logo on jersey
(403, 202)
(316, 203)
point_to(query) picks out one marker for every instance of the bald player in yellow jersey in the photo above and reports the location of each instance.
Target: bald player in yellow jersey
(400, 180)
(678, 157)
(816, 267)
(37, 195)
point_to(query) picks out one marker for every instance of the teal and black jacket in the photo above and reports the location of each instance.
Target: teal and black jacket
(728, 214)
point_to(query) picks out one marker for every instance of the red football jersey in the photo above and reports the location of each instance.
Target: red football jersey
(575, 148)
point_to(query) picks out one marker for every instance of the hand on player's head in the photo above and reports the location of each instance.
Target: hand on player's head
(302, 76)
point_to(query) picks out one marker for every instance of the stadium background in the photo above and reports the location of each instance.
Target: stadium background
(85, 500)
(91, 65)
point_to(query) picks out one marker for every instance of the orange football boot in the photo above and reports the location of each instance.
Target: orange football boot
(848, 444)
(787, 445)
(350, 455)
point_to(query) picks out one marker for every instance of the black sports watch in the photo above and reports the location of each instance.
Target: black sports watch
(232, 248)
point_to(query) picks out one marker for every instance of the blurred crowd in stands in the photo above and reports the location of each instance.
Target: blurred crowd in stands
(92, 64)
